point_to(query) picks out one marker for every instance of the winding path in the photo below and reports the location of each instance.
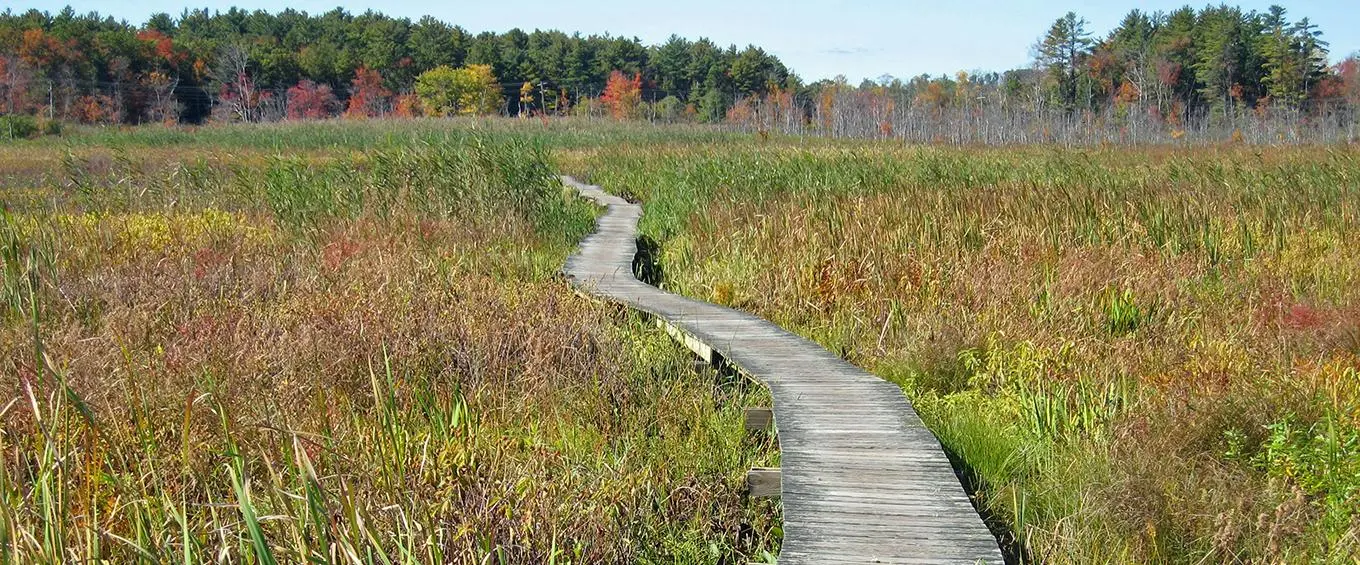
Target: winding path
(863, 481)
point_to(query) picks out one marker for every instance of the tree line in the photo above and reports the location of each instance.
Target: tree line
(243, 65)
(1155, 74)
(1218, 72)
(1206, 62)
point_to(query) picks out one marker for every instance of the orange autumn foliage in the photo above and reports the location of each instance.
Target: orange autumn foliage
(406, 106)
(1128, 93)
(163, 46)
(623, 95)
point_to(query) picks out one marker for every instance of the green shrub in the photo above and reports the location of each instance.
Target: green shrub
(51, 127)
(1322, 458)
(670, 109)
(16, 126)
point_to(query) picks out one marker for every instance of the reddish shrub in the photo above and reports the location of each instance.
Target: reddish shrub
(310, 101)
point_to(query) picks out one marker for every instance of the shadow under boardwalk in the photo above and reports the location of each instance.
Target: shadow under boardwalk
(863, 481)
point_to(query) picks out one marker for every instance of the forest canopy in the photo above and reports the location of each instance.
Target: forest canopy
(90, 67)
(239, 65)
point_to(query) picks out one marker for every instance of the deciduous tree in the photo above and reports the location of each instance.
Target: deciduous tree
(367, 97)
(623, 95)
(16, 75)
(311, 101)
(164, 107)
(526, 98)
(406, 106)
(438, 91)
(471, 90)
(238, 97)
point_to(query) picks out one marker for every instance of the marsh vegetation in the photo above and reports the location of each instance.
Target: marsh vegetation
(215, 349)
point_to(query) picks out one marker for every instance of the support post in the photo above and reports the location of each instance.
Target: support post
(763, 482)
(757, 419)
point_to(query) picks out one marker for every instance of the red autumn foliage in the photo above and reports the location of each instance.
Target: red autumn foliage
(622, 95)
(16, 76)
(1168, 73)
(367, 97)
(741, 112)
(1173, 118)
(1103, 66)
(1329, 88)
(163, 46)
(311, 101)
(1348, 79)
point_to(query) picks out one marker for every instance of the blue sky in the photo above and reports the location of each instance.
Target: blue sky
(818, 39)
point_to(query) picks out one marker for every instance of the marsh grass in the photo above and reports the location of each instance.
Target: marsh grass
(331, 135)
(343, 357)
(1133, 355)
(1139, 355)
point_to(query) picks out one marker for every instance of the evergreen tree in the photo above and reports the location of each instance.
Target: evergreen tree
(671, 64)
(1061, 53)
(432, 43)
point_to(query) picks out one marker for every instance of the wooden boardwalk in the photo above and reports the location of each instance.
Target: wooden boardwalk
(863, 481)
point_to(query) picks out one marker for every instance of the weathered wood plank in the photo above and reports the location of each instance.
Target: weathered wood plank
(861, 478)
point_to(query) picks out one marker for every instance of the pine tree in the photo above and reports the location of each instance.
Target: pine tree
(1220, 55)
(1061, 53)
(1131, 45)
